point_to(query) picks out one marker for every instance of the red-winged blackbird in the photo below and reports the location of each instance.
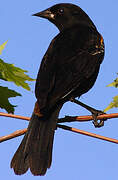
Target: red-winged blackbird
(69, 69)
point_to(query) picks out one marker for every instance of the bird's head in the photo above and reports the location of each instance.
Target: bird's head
(65, 15)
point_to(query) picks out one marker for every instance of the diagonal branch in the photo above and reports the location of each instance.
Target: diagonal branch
(21, 132)
(88, 133)
(13, 135)
(66, 119)
(86, 118)
(14, 116)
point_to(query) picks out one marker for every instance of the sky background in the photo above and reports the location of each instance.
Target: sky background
(74, 156)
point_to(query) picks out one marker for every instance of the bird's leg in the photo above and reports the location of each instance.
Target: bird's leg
(97, 123)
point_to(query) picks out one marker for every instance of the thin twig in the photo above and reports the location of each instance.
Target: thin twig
(86, 118)
(88, 133)
(13, 135)
(21, 132)
(66, 119)
(14, 116)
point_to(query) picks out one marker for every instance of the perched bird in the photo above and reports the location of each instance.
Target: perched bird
(68, 69)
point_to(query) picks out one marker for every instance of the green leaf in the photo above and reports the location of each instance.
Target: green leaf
(14, 74)
(5, 94)
(114, 83)
(2, 46)
(113, 104)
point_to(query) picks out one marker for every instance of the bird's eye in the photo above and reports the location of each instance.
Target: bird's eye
(61, 11)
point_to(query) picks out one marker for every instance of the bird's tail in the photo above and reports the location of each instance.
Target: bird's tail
(35, 150)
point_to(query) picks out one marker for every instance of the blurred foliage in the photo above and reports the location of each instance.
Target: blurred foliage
(114, 103)
(10, 73)
(2, 46)
(5, 94)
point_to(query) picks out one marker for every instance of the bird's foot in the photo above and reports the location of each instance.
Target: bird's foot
(97, 123)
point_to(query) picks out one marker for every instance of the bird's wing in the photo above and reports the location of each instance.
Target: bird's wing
(71, 57)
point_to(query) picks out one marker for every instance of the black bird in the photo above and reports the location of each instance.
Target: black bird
(68, 69)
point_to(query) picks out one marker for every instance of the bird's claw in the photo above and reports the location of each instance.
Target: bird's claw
(98, 123)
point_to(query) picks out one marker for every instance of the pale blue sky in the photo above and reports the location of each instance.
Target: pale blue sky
(74, 156)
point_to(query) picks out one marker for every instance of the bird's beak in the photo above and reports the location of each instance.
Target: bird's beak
(45, 14)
